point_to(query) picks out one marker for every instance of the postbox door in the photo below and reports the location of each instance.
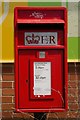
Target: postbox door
(27, 98)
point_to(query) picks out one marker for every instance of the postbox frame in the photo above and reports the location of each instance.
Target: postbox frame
(16, 47)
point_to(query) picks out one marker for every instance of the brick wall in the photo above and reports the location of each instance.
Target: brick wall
(8, 95)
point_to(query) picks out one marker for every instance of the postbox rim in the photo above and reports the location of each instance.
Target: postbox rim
(20, 53)
(40, 8)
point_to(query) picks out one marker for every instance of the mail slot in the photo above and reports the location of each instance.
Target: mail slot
(40, 40)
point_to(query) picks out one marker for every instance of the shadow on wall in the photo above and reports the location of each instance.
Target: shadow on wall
(79, 31)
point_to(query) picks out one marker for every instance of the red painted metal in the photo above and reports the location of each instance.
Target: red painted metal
(40, 19)
(32, 21)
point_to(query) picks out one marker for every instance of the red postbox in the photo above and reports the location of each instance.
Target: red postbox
(40, 59)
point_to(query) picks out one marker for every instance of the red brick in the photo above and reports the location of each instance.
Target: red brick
(73, 114)
(78, 69)
(0, 115)
(0, 68)
(79, 98)
(79, 91)
(6, 84)
(23, 115)
(57, 115)
(0, 99)
(73, 84)
(71, 68)
(79, 84)
(17, 115)
(62, 114)
(8, 107)
(79, 106)
(79, 114)
(72, 99)
(7, 114)
(74, 106)
(73, 77)
(73, 92)
(8, 77)
(6, 99)
(0, 84)
(7, 92)
(79, 77)
(7, 70)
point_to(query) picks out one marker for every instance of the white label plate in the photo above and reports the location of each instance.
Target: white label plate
(42, 78)
(40, 38)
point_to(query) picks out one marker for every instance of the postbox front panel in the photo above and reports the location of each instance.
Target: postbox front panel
(53, 65)
(41, 59)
